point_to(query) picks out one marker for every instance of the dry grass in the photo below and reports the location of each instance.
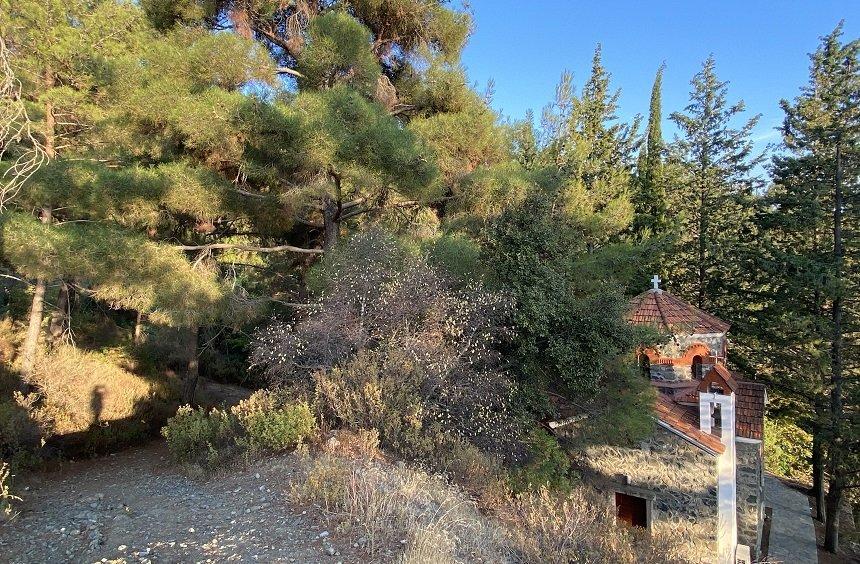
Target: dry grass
(392, 507)
(397, 507)
(6, 495)
(579, 527)
(98, 398)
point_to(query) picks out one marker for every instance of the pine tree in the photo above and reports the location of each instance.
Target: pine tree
(591, 152)
(650, 193)
(56, 56)
(712, 198)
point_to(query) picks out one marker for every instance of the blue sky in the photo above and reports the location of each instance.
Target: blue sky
(760, 48)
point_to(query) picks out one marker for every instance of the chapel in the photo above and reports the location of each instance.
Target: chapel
(700, 474)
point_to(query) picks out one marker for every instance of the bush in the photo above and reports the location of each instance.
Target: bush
(548, 466)
(200, 438)
(787, 450)
(278, 429)
(263, 423)
(397, 345)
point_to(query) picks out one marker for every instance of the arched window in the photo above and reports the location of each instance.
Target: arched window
(645, 365)
(697, 367)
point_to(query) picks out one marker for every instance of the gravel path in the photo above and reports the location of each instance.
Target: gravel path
(136, 506)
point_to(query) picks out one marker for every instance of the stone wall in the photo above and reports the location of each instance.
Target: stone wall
(676, 348)
(750, 490)
(679, 479)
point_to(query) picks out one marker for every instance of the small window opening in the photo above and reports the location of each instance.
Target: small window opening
(631, 510)
(645, 365)
(697, 367)
(717, 416)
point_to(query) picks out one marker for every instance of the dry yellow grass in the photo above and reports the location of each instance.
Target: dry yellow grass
(82, 389)
(427, 520)
(397, 506)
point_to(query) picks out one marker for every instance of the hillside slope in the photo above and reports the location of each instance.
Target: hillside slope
(137, 506)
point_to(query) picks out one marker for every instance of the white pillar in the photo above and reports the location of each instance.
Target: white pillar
(727, 532)
(706, 402)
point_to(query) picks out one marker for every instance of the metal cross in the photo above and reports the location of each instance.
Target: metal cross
(656, 281)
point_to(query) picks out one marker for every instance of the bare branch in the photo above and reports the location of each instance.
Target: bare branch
(249, 248)
(288, 70)
(15, 127)
(309, 223)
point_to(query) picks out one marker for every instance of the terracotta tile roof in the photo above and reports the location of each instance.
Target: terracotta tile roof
(685, 421)
(750, 399)
(687, 396)
(669, 314)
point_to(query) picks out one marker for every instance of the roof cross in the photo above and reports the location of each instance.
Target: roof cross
(656, 282)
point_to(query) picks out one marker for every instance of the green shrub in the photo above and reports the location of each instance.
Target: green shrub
(205, 439)
(547, 466)
(787, 449)
(263, 423)
(279, 429)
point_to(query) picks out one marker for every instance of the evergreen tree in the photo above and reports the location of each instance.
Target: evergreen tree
(650, 193)
(57, 52)
(590, 154)
(186, 138)
(712, 197)
(403, 55)
(809, 280)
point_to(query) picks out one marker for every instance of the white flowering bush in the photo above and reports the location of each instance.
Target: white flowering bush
(396, 345)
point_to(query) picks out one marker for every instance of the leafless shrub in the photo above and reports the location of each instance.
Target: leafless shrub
(15, 130)
(395, 345)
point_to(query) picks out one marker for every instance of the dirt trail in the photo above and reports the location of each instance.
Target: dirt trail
(136, 506)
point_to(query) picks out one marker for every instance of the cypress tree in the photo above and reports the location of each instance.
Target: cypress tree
(650, 195)
(712, 197)
(590, 152)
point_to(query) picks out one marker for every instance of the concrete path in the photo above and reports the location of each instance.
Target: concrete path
(792, 533)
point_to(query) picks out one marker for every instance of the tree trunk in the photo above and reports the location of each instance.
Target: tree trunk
(139, 329)
(817, 490)
(330, 223)
(834, 491)
(30, 347)
(60, 317)
(34, 328)
(193, 372)
(37, 308)
(831, 524)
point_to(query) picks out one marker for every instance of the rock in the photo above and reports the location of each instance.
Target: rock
(330, 550)
(323, 534)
